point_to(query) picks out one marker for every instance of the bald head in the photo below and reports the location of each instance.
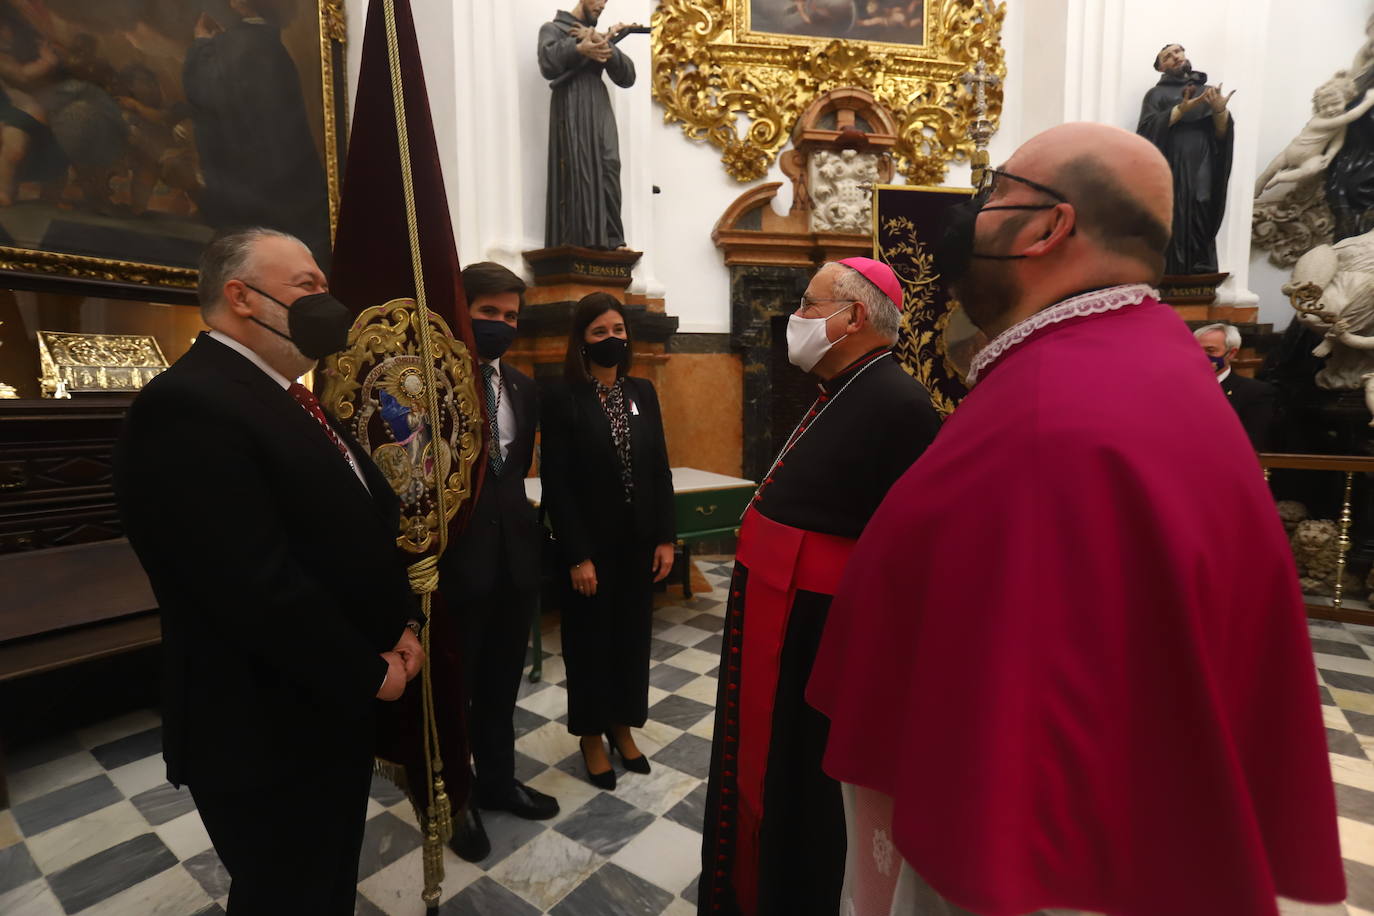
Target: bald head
(1118, 182)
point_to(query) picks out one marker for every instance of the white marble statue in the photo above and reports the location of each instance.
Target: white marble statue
(1332, 290)
(841, 187)
(1311, 151)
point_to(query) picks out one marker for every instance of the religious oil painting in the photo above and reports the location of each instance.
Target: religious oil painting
(131, 131)
(892, 21)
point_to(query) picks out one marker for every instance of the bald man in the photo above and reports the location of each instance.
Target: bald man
(1037, 700)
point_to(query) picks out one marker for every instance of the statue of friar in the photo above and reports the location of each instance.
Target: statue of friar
(1189, 122)
(583, 204)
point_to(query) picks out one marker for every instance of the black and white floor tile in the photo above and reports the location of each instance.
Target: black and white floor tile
(95, 829)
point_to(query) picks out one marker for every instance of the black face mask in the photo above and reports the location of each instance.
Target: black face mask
(318, 323)
(608, 352)
(493, 338)
(955, 251)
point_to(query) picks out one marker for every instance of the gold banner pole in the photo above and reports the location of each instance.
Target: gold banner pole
(424, 574)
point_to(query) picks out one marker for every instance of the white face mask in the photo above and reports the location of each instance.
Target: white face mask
(806, 340)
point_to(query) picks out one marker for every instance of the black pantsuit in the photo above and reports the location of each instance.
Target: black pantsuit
(606, 635)
(492, 574)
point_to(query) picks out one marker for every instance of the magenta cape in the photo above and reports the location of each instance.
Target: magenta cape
(1071, 645)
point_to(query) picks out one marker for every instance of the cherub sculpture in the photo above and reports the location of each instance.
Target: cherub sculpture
(1315, 550)
(1311, 151)
(1332, 290)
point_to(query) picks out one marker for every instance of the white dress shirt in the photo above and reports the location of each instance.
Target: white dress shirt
(1224, 376)
(285, 383)
(505, 413)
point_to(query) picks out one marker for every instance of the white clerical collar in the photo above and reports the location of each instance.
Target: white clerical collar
(1094, 303)
(1224, 376)
(252, 357)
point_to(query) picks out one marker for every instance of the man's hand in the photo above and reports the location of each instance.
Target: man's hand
(412, 655)
(395, 683)
(663, 561)
(584, 578)
(1190, 100)
(616, 30)
(207, 27)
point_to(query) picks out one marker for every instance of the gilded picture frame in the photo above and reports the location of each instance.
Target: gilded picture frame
(142, 129)
(742, 90)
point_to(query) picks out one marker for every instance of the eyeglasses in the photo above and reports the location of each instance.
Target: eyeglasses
(988, 183)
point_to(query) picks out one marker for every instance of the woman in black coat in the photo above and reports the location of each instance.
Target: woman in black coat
(609, 497)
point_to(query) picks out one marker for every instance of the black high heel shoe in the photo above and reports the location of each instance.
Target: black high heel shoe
(604, 780)
(638, 764)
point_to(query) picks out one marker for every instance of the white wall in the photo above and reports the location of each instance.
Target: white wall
(1317, 38)
(1067, 60)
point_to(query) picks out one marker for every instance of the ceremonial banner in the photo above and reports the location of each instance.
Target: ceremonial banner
(406, 385)
(937, 341)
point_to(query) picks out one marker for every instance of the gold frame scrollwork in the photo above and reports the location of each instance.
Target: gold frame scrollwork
(742, 90)
(61, 265)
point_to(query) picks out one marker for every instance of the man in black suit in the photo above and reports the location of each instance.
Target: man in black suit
(1252, 399)
(270, 540)
(491, 572)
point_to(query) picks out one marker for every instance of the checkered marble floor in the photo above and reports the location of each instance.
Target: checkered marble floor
(94, 827)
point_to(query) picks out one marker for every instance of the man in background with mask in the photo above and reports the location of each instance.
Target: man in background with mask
(1035, 687)
(1252, 399)
(269, 538)
(490, 574)
(774, 838)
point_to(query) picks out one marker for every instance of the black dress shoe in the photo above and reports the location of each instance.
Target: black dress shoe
(604, 780)
(638, 764)
(469, 840)
(522, 801)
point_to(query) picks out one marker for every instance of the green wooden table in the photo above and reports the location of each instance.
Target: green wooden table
(708, 506)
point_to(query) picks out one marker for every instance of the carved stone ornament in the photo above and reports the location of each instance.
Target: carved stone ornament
(742, 90)
(376, 387)
(841, 183)
(1293, 225)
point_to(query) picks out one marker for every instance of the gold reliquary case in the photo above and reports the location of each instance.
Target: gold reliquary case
(111, 363)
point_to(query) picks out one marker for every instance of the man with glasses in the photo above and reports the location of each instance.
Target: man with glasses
(869, 422)
(1038, 696)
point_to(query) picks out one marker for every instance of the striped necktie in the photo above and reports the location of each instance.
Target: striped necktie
(493, 408)
(306, 399)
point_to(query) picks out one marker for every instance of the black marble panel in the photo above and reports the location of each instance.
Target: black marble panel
(687, 754)
(484, 897)
(691, 811)
(613, 891)
(707, 622)
(701, 343)
(1344, 681)
(679, 712)
(1339, 742)
(1338, 647)
(164, 803)
(63, 805)
(507, 834)
(666, 677)
(605, 824)
(759, 295)
(127, 750)
(526, 721)
(110, 871)
(386, 838)
(17, 867)
(210, 872)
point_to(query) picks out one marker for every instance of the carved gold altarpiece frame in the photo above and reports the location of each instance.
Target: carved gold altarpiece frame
(63, 265)
(742, 91)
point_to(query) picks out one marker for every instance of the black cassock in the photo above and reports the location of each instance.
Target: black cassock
(774, 833)
(257, 152)
(583, 204)
(1201, 165)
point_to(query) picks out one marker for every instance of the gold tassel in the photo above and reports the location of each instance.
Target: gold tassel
(434, 866)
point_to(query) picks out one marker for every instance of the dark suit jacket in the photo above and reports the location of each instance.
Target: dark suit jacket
(580, 472)
(277, 573)
(1253, 401)
(503, 523)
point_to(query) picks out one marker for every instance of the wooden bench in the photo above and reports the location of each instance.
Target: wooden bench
(67, 605)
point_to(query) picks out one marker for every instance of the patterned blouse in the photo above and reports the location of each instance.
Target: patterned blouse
(613, 402)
